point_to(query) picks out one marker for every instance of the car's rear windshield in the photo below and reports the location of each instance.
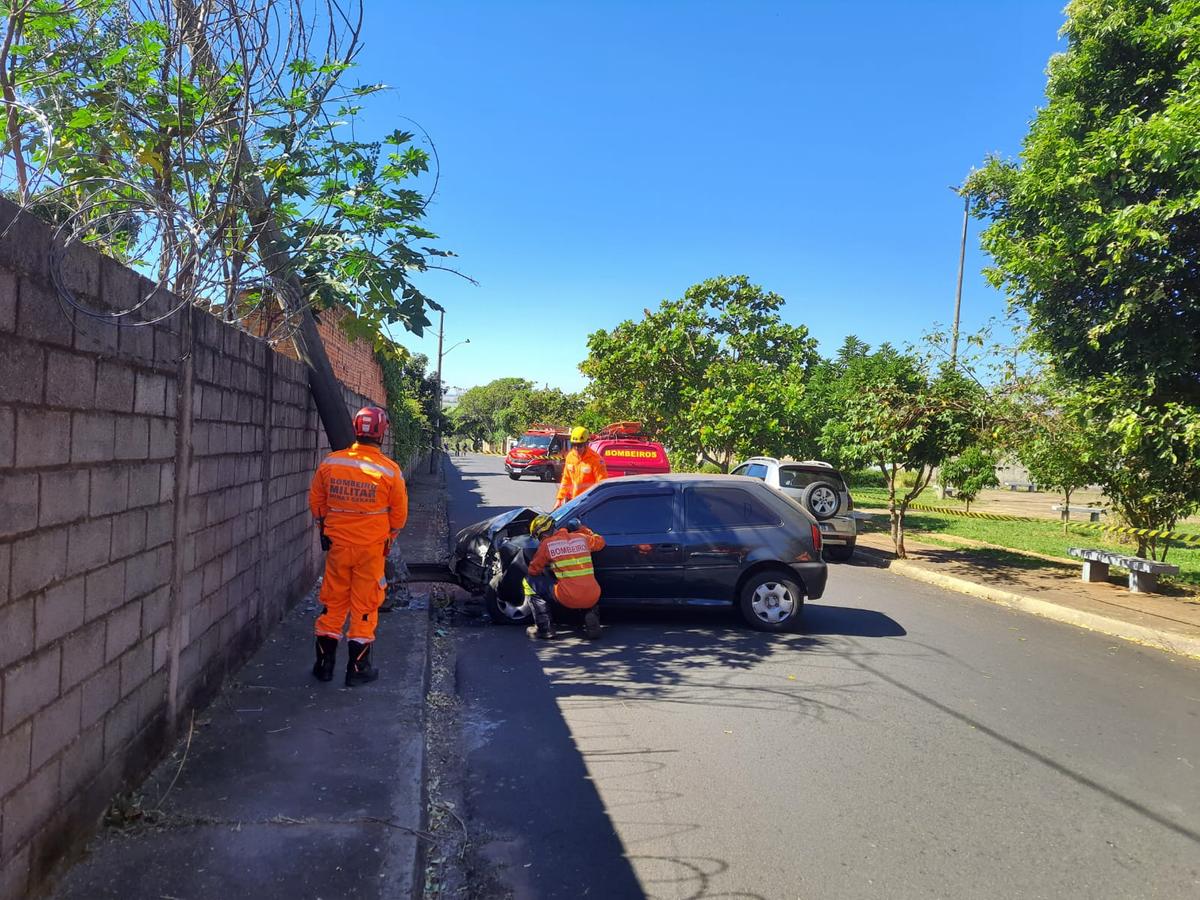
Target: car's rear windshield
(798, 477)
(534, 440)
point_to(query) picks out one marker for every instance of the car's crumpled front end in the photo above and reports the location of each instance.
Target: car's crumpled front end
(477, 548)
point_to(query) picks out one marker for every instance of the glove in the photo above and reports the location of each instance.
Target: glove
(326, 543)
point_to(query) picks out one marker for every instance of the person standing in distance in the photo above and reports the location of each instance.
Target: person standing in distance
(582, 468)
(359, 499)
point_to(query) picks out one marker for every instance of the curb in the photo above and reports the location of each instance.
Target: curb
(1181, 645)
(421, 851)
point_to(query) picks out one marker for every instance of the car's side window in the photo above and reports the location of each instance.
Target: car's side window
(741, 470)
(757, 470)
(641, 514)
(555, 446)
(725, 508)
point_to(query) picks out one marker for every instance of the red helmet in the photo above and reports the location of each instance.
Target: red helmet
(370, 422)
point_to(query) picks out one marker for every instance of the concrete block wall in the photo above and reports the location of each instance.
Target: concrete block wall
(153, 527)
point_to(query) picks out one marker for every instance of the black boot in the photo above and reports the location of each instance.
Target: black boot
(543, 628)
(326, 655)
(358, 667)
(591, 623)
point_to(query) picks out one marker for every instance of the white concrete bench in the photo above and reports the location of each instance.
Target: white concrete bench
(1026, 486)
(1094, 513)
(1143, 573)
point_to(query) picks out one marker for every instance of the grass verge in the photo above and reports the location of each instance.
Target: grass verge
(1045, 538)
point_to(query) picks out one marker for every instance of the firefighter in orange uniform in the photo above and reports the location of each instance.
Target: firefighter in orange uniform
(571, 579)
(583, 468)
(359, 499)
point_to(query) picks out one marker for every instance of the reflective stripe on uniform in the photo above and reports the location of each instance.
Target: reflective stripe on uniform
(359, 464)
(360, 512)
(576, 573)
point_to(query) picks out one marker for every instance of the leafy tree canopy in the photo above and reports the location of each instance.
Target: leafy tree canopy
(898, 414)
(1096, 230)
(717, 373)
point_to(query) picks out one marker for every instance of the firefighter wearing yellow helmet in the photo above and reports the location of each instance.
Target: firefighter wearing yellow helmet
(583, 468)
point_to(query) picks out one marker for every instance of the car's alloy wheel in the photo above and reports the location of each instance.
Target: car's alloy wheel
(772, 601)
(504, 606)
(822, 500)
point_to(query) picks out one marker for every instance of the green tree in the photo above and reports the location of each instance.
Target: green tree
(901, 416)
(1143, 454)
(716, 374)
(549, 406)
(1095, 232)
(215, 147)
(484, 413)
(1053, 440)
(825, 397)
(970, 472)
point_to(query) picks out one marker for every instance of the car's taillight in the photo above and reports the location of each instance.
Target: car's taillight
(816, 533)
(849, 503)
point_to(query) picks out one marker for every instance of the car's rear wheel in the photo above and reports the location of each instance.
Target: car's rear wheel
(772, 601)
(839, 552)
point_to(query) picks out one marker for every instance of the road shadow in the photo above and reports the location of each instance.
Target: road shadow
(542, 830)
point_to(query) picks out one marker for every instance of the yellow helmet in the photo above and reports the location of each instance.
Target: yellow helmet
(579, 435)
(541, 526)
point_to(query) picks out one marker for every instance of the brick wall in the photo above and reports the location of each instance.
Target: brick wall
(353, 362)
(153, 527)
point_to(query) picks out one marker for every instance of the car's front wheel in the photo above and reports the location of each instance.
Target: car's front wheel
(515, 476)
(505, 600)
(772, 601)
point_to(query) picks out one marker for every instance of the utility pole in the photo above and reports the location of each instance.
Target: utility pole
(962, 258)
(437, 418)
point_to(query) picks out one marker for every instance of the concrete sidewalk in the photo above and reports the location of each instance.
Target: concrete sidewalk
(1050, 589)
(289, 788)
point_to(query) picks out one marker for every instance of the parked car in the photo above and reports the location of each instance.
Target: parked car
(820, 489)
(671, 540)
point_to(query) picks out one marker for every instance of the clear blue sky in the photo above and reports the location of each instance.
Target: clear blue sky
(597, 158)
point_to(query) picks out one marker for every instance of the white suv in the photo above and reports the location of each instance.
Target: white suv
(820, 489)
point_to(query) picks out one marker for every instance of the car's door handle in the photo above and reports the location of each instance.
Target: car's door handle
(709, 554)
(667, 548)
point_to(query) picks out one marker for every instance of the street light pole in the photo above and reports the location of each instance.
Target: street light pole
(437, 416)
(962, 258)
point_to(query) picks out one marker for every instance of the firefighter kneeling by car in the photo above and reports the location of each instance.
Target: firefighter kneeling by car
(571, 579)
(359, 499)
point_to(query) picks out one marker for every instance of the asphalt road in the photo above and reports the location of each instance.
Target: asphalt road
(908, 742)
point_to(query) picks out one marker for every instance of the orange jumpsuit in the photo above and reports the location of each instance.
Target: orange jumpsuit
(569, 555)
(580, 472)
(360, 495)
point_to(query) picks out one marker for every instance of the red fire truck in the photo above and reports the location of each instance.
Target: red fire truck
(626, 450)
(623, 446)
(539, 452)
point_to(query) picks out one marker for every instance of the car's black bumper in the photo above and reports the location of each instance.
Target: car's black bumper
(812, 576)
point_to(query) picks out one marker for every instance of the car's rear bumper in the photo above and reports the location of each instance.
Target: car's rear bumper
(812, 576)
(838, 530)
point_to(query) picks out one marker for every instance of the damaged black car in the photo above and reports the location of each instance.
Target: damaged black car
(693, 540)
